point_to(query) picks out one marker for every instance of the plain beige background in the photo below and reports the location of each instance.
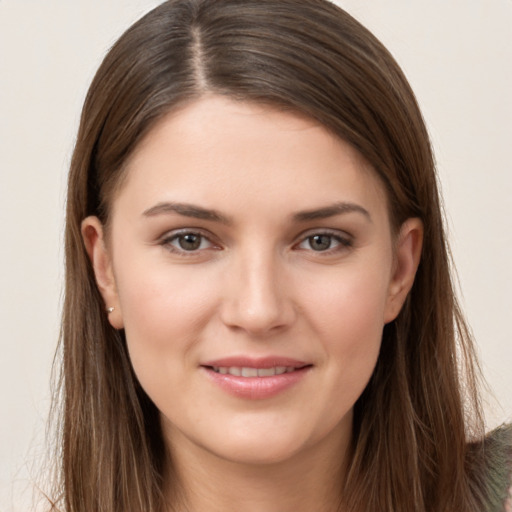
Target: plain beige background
(458, 57)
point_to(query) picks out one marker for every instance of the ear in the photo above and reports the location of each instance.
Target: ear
(406, 260)
(94, 240)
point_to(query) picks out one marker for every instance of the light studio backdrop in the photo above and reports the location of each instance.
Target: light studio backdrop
(458, 58)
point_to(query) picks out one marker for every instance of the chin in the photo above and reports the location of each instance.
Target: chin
(258, 450)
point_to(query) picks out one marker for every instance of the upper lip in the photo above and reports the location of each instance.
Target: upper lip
(255, 362)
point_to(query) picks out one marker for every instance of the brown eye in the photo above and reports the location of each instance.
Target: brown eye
(187, 242)
(320, 242)
(190, 241)
(325, 242)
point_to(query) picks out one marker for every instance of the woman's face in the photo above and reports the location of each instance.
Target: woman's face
(251, 263)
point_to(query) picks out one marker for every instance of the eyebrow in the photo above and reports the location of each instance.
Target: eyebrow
(331, 211)
(187, 210)
(198, 212)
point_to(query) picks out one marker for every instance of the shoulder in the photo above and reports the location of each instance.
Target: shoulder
(499, 443)
(491, 469)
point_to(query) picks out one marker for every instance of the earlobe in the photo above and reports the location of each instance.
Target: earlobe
(406, 260)
(94, 240)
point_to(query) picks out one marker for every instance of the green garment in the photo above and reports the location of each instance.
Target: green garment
(492, 483)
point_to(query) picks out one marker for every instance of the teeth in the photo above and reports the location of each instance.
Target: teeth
(266, 372)
(253, 372)
(249, 372)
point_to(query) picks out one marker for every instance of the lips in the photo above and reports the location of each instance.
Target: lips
(258, 378)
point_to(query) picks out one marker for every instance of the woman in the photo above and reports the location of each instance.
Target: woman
(259, 312)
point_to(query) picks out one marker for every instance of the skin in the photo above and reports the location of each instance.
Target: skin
(257, 285)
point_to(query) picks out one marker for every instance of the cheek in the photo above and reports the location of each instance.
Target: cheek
(160, 295)
(164, 309)
(348, 318)
(350, 302)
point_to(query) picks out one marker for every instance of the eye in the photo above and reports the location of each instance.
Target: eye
(320, 242)
(187, 241)
(325, 242)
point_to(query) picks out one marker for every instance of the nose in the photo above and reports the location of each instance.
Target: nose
(257, 296)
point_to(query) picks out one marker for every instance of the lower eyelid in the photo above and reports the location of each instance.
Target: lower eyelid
(343, 241)
(167, 241)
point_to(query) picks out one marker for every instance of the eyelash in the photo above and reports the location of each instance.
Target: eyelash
(341, 242)
(175, 236)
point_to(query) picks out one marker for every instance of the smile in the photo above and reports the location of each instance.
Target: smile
(256, 379)
(252, 372)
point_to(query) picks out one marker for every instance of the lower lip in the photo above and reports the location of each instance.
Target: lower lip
(256, 388)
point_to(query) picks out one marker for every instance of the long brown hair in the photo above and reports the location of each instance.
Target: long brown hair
(413, 421)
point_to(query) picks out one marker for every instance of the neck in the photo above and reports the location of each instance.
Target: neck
(203, 482)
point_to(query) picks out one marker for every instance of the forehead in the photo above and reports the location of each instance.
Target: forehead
(237, 155)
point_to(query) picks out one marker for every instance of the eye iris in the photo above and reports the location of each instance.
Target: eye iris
(320, 242)
(189, 242)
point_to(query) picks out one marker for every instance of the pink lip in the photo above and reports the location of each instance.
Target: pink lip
(256, 388)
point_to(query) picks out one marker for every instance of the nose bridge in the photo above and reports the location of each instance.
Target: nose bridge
(256, 298)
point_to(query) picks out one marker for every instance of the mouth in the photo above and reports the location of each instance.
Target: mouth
(247, 371)
(252, 379)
